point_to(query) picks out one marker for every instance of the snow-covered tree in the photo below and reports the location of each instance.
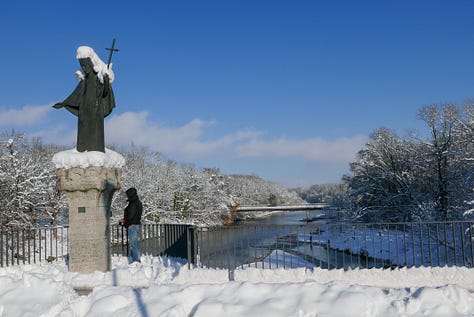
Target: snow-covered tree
(183, 193)
(142, 171)
(172, 192)
(464, 130)
(425, 178)
(28, 187)
(335, 195)
(382, 177)
(442, 158)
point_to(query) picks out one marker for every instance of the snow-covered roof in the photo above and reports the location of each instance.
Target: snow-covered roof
(99, 66)
(73, 158)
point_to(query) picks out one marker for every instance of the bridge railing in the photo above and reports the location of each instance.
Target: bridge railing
(341, 246)
(49, 244)
(329, 246)
(27, 246)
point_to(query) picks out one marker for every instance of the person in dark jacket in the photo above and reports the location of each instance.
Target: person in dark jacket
(132, 221)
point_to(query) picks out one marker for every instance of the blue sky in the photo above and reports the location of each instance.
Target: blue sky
(287, 90)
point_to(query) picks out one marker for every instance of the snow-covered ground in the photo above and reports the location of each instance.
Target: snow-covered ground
(161, 286)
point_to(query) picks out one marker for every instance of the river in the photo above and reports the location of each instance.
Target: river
(286, 236)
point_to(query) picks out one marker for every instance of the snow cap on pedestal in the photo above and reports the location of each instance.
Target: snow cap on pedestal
(73, 158)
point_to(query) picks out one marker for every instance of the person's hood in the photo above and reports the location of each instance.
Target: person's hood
(131, 193)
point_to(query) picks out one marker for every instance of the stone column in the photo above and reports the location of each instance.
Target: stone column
(89, 192)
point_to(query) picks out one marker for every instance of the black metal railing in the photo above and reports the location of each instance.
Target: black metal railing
(341, 245)
(155, 239)
(329, 246)
(26, 246)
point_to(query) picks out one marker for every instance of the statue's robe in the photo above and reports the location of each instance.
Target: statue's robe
(91, 102)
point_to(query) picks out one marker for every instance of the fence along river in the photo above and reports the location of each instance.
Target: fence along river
(279, 240)
(288, 241)
(284, 241)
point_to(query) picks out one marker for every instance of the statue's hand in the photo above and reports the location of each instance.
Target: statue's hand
(58, 105)
(80, 75)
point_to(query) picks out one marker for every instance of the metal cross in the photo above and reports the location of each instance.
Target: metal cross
(112, 50)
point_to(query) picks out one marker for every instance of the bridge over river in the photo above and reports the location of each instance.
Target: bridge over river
(290, 208)
(301, 207)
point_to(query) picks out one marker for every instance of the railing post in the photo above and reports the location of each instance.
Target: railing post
(462, 245)
(17, 255)
(190, 246)
(1, 248)
(471, 240)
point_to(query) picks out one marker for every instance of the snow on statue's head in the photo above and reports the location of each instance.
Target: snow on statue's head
(99, 66)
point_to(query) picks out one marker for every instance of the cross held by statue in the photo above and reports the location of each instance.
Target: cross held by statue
(112, 50)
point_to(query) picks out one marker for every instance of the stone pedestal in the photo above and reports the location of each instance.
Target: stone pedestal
(89, 192)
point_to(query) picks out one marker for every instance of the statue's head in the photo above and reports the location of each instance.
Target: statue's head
(86, 65)
(90, 61)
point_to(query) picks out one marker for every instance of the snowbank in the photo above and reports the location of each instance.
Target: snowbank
(166, 287)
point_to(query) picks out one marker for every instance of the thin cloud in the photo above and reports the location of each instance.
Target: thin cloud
(186, 141)
(26, 116)
(313, 149)
(60, 135)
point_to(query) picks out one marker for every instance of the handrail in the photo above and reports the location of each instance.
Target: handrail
(328, 245)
